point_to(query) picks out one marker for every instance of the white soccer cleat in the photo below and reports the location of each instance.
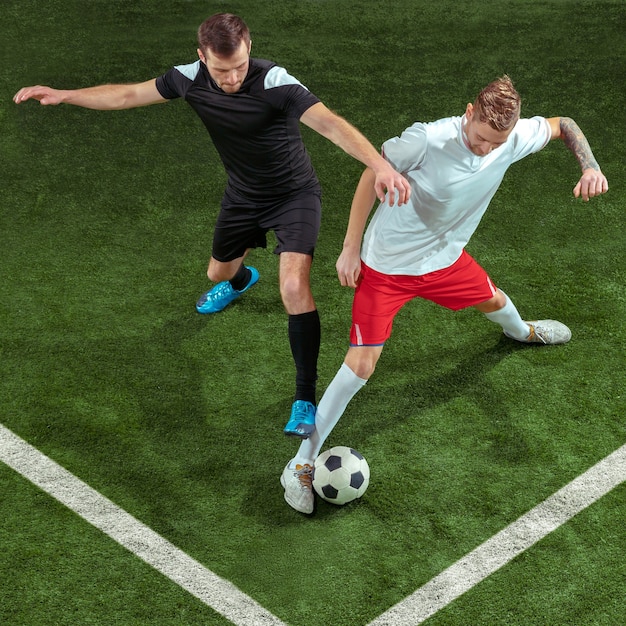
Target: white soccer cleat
(298, 485)
(548, 332)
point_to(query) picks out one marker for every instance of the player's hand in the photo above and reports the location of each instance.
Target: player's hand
(45, 95)
(592, 183)
(388, 180)
(349, 267)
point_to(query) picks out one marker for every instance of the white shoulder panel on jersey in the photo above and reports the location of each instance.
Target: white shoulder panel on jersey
(190, 70)
(279, 77)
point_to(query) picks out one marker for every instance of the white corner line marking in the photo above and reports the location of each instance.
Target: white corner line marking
(215, 592)
(508, 543)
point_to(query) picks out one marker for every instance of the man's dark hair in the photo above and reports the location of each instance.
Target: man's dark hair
(222, 34)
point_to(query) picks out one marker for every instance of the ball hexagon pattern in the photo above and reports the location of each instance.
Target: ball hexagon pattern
(340, 475)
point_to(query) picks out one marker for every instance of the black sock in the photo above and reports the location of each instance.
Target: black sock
(241, 278)
(304, 339)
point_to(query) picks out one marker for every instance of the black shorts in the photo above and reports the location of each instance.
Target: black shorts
(241, 225)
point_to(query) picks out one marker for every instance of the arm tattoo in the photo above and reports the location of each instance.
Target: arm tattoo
(577, 143)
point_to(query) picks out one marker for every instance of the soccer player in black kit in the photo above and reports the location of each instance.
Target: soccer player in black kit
(252, 109)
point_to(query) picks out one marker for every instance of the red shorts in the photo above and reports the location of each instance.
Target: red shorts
(379, 297)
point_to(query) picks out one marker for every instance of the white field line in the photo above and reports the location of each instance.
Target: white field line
(215, 592)
(242, 610)
(508, 543)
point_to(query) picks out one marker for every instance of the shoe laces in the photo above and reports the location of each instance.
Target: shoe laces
(223, 289)
(304, 474)
(538, 335)
(304, 410)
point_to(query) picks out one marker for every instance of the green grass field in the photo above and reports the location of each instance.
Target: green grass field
(105, 229)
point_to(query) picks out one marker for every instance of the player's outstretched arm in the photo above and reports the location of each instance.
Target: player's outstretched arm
(349, 262)
(592, 182)
(348, 138)
(103, 97)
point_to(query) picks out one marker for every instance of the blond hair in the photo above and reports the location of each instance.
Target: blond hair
(499, 104)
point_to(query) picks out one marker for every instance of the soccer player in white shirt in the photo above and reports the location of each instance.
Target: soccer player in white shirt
(454, 166)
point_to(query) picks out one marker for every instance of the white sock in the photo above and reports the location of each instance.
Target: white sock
(338, 394)
(510, 320)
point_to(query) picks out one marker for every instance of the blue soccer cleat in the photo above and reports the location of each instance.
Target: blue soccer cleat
(302, 420)
(223, 294)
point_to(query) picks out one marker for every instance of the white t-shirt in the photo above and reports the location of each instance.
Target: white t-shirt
(451, 188)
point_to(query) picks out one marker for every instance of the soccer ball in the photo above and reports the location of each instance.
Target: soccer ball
(340, 475)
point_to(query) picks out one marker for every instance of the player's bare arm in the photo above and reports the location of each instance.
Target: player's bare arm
(348, 138)
(592, 182)
(102, 97)
(349, 262)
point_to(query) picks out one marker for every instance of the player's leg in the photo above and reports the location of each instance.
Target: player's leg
(233, 278)
(501, 310)
(377, 300)
(236, 232)
(304, 339)
(296, 224)
(357, 368)
(465, 283)
(297, 475)
(295, 283)
(372, 318)
(225, 270)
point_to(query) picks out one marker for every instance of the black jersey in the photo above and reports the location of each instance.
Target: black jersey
(256, 131)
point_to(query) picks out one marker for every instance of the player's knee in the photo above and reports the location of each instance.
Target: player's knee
(499, 300)
(363, 365)
(295, 292)
(493, 304)
(364, 370)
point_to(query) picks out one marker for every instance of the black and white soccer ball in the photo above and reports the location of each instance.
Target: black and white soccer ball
(340, 475)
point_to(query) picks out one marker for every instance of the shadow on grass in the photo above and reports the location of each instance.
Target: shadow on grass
(408, 389)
